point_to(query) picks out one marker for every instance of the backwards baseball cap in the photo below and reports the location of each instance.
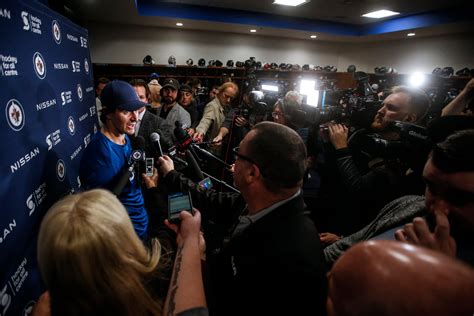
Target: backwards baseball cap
(171, 82)
(119, 94)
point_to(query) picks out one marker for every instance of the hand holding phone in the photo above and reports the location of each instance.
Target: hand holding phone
(178, 202)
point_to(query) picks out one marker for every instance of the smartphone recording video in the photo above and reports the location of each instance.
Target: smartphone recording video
(178, 202)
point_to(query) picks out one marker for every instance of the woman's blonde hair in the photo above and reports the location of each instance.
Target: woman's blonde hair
(92, 261)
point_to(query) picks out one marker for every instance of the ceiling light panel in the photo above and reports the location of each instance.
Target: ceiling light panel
(380, 14)
(292, 3)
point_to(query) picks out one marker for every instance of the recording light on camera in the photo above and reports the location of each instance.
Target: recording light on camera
(269, 87)
(307, 88)
(417, 79)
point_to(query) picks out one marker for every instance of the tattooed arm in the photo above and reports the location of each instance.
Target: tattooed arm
(186, 290)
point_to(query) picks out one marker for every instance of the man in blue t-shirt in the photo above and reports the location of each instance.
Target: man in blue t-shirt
(109, 151)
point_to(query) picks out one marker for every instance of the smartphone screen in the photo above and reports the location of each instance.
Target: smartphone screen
(149, 162)
(178, 202)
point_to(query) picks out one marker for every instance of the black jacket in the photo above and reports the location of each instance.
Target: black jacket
(152, 123)
(274, 267)
(278, 260)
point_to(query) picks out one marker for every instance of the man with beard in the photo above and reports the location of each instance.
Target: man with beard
(171, 111)
(187, 101)
(443, 219)
(368, 182)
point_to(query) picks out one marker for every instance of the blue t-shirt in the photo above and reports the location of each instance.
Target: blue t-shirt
(102, 161)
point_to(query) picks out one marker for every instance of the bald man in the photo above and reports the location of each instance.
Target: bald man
(391, 278)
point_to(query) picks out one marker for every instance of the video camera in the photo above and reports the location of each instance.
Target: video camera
(411, 147)
(354, 107)
(255, 105)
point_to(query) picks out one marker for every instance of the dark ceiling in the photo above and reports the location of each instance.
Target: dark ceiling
(343, 11)
(331, 20)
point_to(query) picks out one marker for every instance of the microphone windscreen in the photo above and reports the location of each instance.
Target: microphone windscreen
(155, 137)
(180, 133)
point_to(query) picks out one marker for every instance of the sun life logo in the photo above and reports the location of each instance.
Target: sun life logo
(15, 115)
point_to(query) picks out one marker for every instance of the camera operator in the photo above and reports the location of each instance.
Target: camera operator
(370, 181)
(459, 105)
(240, 120)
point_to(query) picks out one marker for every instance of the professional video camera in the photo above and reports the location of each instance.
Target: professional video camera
(411, 147)
(355, 107)
(255, 105)
(201, 94)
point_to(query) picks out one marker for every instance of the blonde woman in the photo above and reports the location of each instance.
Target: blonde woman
(93, 263)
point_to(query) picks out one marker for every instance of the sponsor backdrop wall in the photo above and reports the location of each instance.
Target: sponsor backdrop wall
(48, 118)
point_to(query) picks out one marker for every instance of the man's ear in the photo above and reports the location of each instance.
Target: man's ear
(253, 173)
(411, 118)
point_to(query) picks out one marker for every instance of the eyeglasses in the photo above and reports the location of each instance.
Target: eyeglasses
(237, 154)
(240, 156)
(277, 114)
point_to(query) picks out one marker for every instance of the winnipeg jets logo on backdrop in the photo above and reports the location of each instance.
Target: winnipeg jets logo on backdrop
(79, 92)
(86, 66)
(56, 32)
(39, 65)
(60, 170)
(71, 126)
(15, 115)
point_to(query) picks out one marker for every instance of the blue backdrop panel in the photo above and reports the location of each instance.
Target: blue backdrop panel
(48, 116)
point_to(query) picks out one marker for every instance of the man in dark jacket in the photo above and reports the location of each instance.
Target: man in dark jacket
(271, 263)
(370, 180)
(448, 206)
(148, 122)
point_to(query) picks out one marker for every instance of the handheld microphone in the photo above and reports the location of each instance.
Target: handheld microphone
(155, 139)
(183, 138)
(127, 172)
(194, 166)
(138, 142)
